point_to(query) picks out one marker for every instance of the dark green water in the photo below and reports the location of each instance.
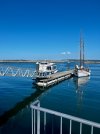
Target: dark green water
(17, 93)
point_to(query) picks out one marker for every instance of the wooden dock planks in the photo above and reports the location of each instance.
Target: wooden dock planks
(57, 75)
(54, 78)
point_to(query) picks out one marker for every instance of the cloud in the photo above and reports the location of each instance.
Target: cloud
(68, 52)
(63, 53)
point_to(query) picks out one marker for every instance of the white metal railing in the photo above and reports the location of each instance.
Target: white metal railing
(15, 71)
(35, 106)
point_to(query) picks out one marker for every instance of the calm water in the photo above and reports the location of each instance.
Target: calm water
(80, 98)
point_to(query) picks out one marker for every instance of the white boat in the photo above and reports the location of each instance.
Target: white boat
(45, 69)
(81, 71)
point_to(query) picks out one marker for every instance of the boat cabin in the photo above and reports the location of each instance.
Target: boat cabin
(44, 69)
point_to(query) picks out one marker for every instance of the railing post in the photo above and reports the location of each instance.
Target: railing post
(80, 128)
(91, 129)
(38, 120)
(70, 126)
(44, 121)
(32, 121)
(60, 125)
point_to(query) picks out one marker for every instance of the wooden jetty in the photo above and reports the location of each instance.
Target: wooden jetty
(54, 78)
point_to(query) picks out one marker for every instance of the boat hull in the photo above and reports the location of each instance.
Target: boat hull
(81, 73)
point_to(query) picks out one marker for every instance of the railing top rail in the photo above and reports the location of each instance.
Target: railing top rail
(77, 119)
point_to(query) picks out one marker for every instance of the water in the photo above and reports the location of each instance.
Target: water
(17, 93)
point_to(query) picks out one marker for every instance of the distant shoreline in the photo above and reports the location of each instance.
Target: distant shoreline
(57, 61)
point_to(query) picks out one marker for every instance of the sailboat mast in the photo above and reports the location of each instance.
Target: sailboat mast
(83, 53)
(80, 51)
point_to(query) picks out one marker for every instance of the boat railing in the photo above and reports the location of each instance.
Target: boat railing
(36, 129)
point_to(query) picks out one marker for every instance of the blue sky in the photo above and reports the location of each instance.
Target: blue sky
(46, 29)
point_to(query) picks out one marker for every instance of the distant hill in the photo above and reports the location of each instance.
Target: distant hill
(63, 60)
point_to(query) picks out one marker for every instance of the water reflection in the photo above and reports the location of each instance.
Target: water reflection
(80, 84)
(80, 81)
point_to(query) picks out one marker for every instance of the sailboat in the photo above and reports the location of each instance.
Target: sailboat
(81, 70)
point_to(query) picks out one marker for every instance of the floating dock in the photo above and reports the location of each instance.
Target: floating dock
(54, 78)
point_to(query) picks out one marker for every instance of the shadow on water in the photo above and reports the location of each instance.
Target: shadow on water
(20, 105)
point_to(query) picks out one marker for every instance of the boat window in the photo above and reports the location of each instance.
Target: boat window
(49, 68)
(40, 74)
(44, 74)
(44, 63)
(47, 73)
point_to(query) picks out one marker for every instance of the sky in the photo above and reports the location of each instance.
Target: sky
(49, 29)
